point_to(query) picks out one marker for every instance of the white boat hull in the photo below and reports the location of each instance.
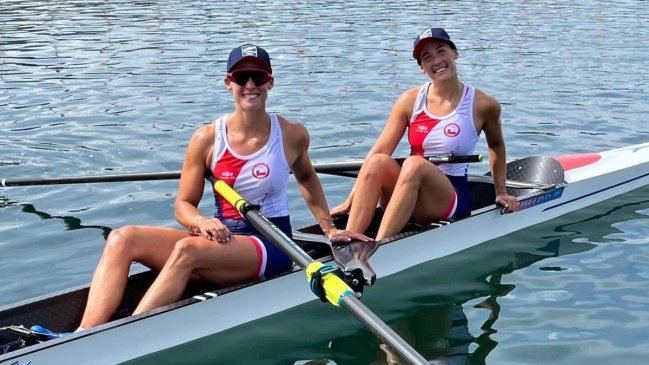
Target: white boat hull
(613, 173)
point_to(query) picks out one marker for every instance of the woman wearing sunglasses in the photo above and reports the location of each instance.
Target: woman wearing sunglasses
(442, 116)
(254, 152)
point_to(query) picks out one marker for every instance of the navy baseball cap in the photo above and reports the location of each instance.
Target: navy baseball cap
(428, 35)
(249, 51)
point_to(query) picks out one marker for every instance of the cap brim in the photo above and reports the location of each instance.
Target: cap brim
(263, 66)
(416, 53)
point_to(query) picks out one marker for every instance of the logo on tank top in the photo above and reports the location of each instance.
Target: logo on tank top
(260, 171)
(227, 175)
(452, 130)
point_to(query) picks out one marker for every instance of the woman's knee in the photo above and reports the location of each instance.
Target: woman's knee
(412, 169)
(185, 253)
(121, 241)
(379, 160)
(377, 165)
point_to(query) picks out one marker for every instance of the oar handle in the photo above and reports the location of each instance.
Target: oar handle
(454, 159)
(231, 196)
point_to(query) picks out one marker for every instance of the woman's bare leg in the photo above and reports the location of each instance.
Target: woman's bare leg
(149, 245)
(220, 263)
(422, 190)
(375, 182)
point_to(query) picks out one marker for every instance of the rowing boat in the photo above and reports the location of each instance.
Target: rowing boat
(427, 303)
(545, 187)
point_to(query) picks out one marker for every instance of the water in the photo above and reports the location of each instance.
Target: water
(116, 87)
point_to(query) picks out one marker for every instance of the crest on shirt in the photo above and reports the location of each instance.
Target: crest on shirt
(451, 130)
(260, 171)
(422, 129)
(227, 175)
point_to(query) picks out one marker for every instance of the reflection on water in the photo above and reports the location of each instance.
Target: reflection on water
(4, 201)
(440, 330)
(70, 223)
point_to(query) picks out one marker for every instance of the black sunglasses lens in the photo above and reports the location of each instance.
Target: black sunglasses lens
(259, 78)
(241, 78)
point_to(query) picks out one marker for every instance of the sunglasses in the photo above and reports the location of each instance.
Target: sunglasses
(241, 77)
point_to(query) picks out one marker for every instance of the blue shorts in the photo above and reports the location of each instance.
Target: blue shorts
(461, 206)
(271, 259)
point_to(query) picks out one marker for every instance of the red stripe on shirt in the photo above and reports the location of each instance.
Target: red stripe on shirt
(418, 129)
(227, 169)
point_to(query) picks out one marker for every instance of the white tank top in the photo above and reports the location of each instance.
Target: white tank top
(455, 132)
(260, 178)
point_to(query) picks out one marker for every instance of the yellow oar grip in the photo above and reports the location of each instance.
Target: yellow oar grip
(229, 194)
(335, 288)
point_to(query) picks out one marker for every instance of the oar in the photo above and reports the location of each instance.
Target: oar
(171, 175)
(343, 168)
(337, 291)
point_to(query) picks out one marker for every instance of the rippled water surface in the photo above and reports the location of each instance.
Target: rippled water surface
(114, 87)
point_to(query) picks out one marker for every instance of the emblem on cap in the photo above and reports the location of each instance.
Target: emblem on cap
(249, 50)
(426, 34)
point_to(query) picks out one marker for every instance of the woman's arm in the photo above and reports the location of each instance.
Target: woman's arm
(311, 188)
(490, 114)
(192, 185)
(388, 140)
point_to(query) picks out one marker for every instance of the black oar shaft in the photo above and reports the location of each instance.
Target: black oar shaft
(336, 168)
(295, 252)
(171, 175)
(329, 167)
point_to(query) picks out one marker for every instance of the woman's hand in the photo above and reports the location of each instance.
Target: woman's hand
(211, 228)
(343, 208)
(339, 235)
(508, 202)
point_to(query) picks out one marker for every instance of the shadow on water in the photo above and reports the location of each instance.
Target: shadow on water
(70, 223)
(425, 304)
(5, 202)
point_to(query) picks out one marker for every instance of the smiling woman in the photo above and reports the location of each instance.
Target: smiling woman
(442, 116)
(250, 150)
